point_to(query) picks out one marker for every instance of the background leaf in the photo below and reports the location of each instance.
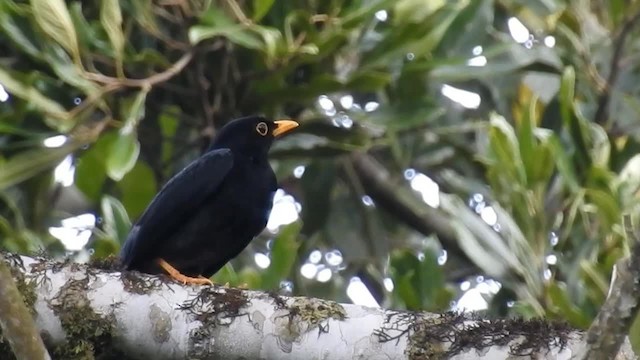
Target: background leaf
(122, 155)
(54, 19)
(111, 18)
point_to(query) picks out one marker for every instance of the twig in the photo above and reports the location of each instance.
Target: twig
(237, 11)
(146, 82)
(93, 99)
(602, 113)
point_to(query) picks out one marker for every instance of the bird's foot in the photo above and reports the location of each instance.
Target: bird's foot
(178, 276)
(200, 280)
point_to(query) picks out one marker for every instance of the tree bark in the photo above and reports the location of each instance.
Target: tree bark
(83, 308)
(16, 323)
(620, 309)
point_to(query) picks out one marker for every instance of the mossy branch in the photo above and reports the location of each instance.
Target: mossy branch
(16, 321)
(90, 312)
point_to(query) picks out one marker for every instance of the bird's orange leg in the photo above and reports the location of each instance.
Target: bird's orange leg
(176, 275)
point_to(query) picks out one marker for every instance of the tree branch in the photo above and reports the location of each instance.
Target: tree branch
(602, 112)
(143, 317)
(146, 82)
(426, 220)
(18, 328)
(608, 331)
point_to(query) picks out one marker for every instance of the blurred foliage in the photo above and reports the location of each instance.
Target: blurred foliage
(139, 87)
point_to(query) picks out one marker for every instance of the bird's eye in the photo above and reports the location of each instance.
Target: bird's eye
(262, 128)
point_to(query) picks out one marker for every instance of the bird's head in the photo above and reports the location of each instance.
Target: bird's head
(252, 135)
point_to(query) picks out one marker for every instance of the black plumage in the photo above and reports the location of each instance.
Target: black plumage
(211, 210)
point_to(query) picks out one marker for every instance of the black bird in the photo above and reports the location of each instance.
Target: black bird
(212, 209)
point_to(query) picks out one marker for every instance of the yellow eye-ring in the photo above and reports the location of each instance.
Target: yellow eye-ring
(262, 128)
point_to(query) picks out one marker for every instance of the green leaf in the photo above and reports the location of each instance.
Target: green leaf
(271, 38)
(564, 164)
(526, 310)
(55, 20)
(138, 187)
(597, 277)
(250, 277)
(104, 247)
(561, 305)
(90, 34)
(111, 19)
(261, 8)
(31, 162)
(369, 81)
(533, 146)
(525, 130)
(505, 150)
(419, 282)
(501, 59)
(216, 23)
(6, 128)
(630, 175)
(607, 205)
(485, 247)
(123, 155)
(124, 152)
(69, 72)
(405, 290)
(415, 10)
(432, 39)
(600, 147)
(142, 12)
(116, 222)
(285, 246)
(469, 27)
(405, 41)
(227, 274)
(19, 36)
(11, 82)
(309, 49)
(403, 267)
(567, 93)
(90, 171)
(321, 84)
(135, 111)
(235, 34)
(363, 12)
(617, 10)
(430, 282)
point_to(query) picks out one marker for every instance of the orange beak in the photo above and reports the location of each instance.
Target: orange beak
(284, 126)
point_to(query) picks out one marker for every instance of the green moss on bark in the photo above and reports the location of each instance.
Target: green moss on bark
(427, 335)
(27, 287)
(89, 335)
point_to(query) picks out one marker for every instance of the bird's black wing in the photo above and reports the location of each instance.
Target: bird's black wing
(174, 204)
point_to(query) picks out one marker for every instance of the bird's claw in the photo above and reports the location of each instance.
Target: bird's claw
(201, 280)
(183, 279)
